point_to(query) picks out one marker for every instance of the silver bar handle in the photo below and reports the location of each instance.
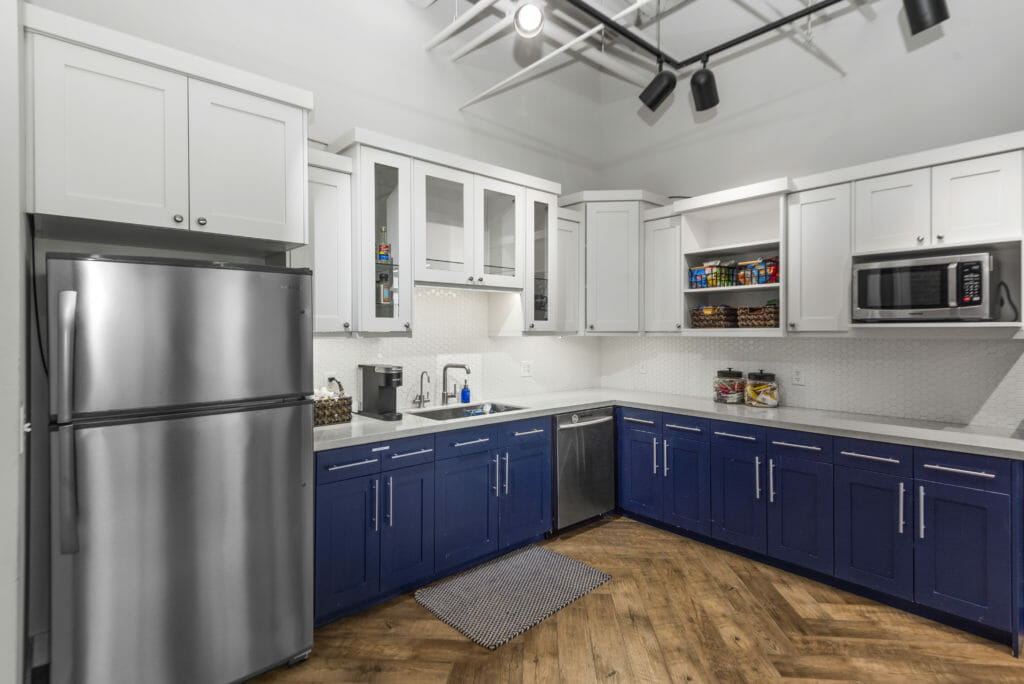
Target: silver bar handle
(573, 426)
(376, 504)
(67, 489)
(683, 427)
(497, 477)
(961, 471)
(475, 441)
(381, 448)
(411, 453)
(67, 305)
(664, 458)
(732, 436)
(771, 480)
(920, 510)
(757, 477)
(806, 447)
(351, 465)
(870, 457)
(654, 454)
(902, 494)
(391, 501)
(506, 473)
(951, 284)
(639, 420)
(528, 432)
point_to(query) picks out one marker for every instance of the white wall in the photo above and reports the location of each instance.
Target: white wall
(11, 337)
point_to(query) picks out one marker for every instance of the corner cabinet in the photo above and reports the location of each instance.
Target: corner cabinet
(663, 275)
(568, 288)
(818, 276)
(613, 266)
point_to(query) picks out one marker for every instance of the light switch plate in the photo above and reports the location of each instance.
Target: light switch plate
(798, 377)
(526, 369)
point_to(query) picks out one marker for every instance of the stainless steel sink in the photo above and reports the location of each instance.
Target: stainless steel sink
(465, 410)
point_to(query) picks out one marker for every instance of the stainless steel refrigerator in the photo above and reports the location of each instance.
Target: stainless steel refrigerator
(181, 469)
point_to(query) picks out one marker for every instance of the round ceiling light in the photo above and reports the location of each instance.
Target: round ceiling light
(529, 20)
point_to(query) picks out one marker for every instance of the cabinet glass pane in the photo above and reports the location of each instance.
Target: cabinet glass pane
(499, 234)
(385, 247)
(541, 271)
(446, 225)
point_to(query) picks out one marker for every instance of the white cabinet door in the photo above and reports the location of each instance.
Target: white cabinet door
(893, 213)
(977, 200)
(247, 165)
(613, 267)
(500, 213)
(663, 255)
(329, 252)
(818, 260)
(568, 275)
(541, 294)
(383, 242)
(110, 137)
(443, 228)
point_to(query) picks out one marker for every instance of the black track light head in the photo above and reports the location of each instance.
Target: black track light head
(658, 90)
(923, 14)
(704, 89)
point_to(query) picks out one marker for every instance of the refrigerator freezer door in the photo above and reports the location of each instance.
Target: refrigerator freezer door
(152, 336)
(195, 558)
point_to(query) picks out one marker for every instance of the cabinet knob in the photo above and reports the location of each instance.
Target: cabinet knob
(408, 326)
(591, 326)
(480, 279)
(470, 278)
(178, 218)
(532, 326)
(679, 326)
(345, 325)
(792, 325)
(201, 221)
(940, 236)
(920, 238)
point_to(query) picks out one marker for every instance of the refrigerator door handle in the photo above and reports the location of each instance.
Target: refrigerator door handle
(67, 309)
(67, 494)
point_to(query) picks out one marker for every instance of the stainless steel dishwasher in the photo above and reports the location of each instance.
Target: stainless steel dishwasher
(584, 466)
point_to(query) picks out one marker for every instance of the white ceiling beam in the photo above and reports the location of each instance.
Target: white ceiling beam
(503, 24)
(460, 21)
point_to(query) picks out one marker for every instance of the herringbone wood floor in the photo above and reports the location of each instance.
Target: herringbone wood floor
(675, 610)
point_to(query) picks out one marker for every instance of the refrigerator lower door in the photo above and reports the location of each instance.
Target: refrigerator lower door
(194, 558)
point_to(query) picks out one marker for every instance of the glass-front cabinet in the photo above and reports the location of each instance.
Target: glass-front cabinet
(540, 298)
(384, 241)
(500, 212)
(443, 224)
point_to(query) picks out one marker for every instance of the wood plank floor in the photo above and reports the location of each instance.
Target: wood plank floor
(675, 610)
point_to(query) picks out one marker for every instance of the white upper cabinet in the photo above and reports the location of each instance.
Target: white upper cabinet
(568, 277)
(613, 266)
(977, 200)
(110, 137)
(541, 296)
(443, 224)
(893, 212)
(247, 162)
(663, 283)
(818, 274)
(500, 217)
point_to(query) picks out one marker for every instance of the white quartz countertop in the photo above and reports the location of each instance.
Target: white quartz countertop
(930, 434)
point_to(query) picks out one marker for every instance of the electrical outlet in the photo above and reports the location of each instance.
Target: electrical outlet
(643, 368)
(526, 369)
(798, 377)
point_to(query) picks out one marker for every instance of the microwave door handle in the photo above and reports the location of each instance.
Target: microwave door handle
(951, 285)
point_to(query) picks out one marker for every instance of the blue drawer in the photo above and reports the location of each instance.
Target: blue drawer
(796, 443)
(640, 418)
(469, 441)
(964, 470)
(410, 451)
(525, 431)
(737, 434)
(343, 464)
(688, 427)
(877, 456)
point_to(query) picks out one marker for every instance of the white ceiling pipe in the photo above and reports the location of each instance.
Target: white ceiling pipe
(504, 23)
(463, 19)
(551, 55)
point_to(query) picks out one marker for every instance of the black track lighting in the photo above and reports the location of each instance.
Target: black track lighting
(923, 14)
(703, 87)
(659, 89)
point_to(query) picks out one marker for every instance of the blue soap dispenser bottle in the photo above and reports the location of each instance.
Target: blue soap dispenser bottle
(465, 392)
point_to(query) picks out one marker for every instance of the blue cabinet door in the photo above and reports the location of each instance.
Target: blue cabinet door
(639, 471)
(686, 488)
(800, 512)
(738, 496)
(347, 542)
(525, 496)
(465, 508)
(407, 526)
(874, 523)
(962, 552)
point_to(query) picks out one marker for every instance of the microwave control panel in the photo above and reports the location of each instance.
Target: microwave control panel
(970, 279)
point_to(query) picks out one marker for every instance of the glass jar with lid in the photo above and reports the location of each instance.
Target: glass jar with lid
(762, 390)
(729, 385)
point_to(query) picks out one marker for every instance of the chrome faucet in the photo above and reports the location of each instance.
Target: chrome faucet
(422, 399)
(444, 382)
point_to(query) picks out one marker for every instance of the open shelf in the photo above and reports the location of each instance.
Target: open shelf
(732, 288)
(734, 249)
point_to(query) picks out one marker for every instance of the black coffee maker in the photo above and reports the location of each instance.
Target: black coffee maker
(379, 385)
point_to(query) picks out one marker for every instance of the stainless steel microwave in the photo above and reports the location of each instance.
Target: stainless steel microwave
(955, 287)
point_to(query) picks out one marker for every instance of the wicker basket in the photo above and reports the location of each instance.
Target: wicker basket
(332, 411)
(758, 316)
(713, 317)
(712, 276)
(758, 272)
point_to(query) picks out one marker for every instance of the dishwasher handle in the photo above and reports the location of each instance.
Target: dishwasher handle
(573, 426)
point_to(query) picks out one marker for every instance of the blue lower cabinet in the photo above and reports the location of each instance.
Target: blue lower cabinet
(962, 552)
(640, 478)
(524, 509)
(407, 526)
(800, 492)
(738, 496)
(686, 484)
(466, 508)
(874, 530)
(347, 543)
